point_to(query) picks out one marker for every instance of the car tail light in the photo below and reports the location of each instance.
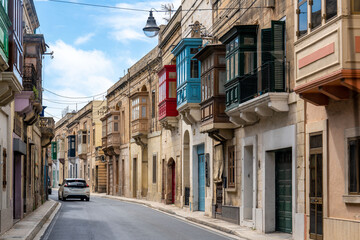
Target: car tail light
(87, 185)
(65, 185)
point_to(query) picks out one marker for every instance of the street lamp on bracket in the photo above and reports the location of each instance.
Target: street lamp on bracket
(151, 29)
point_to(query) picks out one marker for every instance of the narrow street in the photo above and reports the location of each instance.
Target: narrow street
(103, 218)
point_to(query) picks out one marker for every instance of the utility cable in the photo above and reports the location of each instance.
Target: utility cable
(96, 95)
(138, 9)
(52, 115)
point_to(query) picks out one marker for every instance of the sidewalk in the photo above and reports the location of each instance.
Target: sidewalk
(28, 227)
(200, 218)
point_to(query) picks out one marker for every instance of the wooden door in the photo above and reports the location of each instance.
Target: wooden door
(173, 183)
(283, 189)
(201, 182)
(316, 190)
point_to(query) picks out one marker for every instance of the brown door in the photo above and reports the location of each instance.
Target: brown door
(134, 177)
(163, 180)
(173, 183)
(219, 196)
(117, 176)
(316, 190)
(123, 177)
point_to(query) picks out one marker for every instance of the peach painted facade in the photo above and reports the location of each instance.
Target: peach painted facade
(327, 63)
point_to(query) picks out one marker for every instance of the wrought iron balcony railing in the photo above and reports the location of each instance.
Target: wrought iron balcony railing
(270, 77)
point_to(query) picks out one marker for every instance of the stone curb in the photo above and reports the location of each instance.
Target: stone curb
(48, 222)
(39, 225)
(31, 233)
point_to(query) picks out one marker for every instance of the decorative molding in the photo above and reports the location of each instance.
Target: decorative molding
(317, 55)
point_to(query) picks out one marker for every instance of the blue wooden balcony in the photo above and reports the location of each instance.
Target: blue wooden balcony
(188, 92)
(188, 71)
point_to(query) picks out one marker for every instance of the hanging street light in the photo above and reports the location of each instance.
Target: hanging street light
(151, 29)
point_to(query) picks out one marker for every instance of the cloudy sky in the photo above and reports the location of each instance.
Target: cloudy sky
(92, 47)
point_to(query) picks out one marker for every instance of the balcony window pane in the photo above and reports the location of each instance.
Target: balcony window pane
(172, 89)
(116, 127)
(194, 69)
(236, 42)
(143, 111)
(316, 13)
(211, 83)
(222, 80)
(356, 6)
(172, 75)
(232, 66)
(249, 41)
(203, 82)
(331, 8)
(228, 69)
(109, 130)
(143, 100)
(236, 63)
(206, 88)
(221, 59)
(249, 58)
(84, 138)
(303, 22)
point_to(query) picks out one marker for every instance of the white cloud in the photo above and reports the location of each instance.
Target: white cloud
(83, 39)
(76, 73)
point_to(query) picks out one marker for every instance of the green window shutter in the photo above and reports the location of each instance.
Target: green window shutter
(266, 59)
(53, 150)
(278, 34)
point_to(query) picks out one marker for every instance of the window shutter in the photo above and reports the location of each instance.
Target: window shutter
(266, 59)
(278, 34)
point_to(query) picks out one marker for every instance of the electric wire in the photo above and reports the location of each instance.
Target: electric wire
(138, 9)
(96, 95)
(52, 115)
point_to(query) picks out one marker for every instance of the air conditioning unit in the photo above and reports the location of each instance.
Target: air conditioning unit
(270, 3)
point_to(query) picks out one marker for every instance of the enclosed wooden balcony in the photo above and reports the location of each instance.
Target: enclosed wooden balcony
(47, 129)
(167, 97)
(111, 133)
(82, 144)
(188, 90)
(214, 121)
(327, 61)
(255, 92)
(61, 150)
(139, 116)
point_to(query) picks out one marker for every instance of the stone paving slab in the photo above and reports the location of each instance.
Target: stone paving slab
(200, 218)
(28, 227)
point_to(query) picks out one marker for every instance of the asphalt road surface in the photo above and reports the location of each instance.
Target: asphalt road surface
(103, 219)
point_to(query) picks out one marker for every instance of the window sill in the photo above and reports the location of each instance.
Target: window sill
(351, 199)
(231, 189)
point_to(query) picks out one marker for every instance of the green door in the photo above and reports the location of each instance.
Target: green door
(283, 191)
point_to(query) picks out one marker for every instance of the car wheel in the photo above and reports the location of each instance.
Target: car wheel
(63, 198)
(58, 197)
(87, 199)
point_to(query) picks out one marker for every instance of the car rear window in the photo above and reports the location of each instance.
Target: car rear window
(76, 183)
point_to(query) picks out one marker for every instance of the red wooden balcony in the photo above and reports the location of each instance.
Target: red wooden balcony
(167, 97)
